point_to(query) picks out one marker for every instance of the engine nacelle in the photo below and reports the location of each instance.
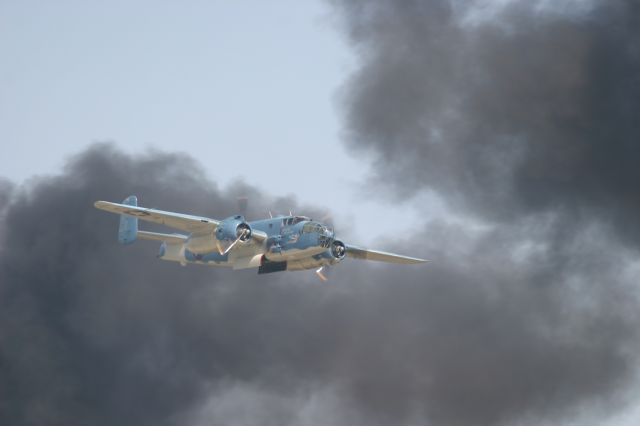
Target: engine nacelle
(227, 232)
(338, 250)
(233, 228)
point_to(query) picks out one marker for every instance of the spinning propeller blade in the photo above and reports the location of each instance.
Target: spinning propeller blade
(243, 233)
(220, 248)
(232, 245)
(320, 275)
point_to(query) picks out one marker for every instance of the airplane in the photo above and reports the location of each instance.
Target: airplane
(282, 243)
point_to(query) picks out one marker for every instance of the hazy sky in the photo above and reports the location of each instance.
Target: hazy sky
(248, 88)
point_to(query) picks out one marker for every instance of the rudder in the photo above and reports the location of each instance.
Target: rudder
(128, 230)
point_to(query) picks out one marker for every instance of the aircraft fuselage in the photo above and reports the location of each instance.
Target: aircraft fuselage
(293, 243)
(283, 243)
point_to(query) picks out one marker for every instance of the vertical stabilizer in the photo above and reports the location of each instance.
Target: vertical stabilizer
(128, 230)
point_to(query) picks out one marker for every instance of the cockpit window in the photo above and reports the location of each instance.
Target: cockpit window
(298, 219)
(294, 220)
(316, 227)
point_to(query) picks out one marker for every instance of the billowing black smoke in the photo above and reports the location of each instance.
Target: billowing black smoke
(511, 111)
(95, 333)
(514, 323)
(523, 118)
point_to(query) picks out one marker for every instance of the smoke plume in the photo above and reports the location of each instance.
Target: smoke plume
(521, 116)
(96, 333)
(508, 108)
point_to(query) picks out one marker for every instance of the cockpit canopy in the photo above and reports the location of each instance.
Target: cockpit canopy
(316, 227)
(287, 221)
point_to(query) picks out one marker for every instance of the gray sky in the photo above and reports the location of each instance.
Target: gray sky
(248, 88)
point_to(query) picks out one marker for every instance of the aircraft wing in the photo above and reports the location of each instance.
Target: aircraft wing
(156, 236)
(380, 256)
(184, 222)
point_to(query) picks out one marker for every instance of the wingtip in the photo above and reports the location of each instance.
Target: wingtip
(416, 260)
(99, 204)
(103, 205)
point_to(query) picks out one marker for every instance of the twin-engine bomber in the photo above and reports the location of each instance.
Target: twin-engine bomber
(283, 243)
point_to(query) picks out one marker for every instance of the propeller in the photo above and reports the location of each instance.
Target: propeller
(221, 248)
(338, 249)
(232, 245)
(322, 273)
(242, 234)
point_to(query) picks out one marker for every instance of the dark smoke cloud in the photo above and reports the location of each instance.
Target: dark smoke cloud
(523, 117)
(527, 120)
(533, 106)
(5, 193)
(6, 188)
(517, 322)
